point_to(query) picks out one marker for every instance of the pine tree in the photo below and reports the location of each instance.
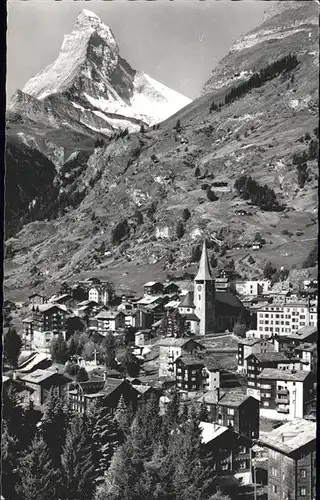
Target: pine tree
(180, 229)
(82, 375)
(54, 426)
(193, 478)
(12, 344)
(109, 344)
(106, 435)
(76, 461)
(124, 416)
(59, 350)
(9, 463)
(38, 477)
(172, 413)
(203, 414)
(197, 172)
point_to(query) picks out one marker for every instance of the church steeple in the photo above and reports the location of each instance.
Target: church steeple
(204, 294)
(204, 272)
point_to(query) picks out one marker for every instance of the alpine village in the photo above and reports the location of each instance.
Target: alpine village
(160, 278)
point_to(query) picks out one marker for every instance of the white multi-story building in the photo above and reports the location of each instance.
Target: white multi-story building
(253, 287)
(99, 294)
(283, 319)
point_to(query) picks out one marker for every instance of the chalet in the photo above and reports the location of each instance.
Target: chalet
(288, 343)
(43, 382)
(292, 460)
(284, 393)
(107, 391)
(228, 450)
(87, 308)
(256, 245)
(109, 321)
(50, 317)
(170, 289)
(211, 373)
(36, 299)
(257, 362)
(23, 392)
(170, 349)
(27, 332)
(235, 410)
(189, 377)
(65, 299)
(153, 288)
(308, 354)
(246, 347)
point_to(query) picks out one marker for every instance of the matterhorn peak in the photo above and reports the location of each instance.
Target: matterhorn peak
(96, 87)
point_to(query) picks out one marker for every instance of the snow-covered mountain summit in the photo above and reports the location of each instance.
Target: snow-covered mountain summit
(99, 88)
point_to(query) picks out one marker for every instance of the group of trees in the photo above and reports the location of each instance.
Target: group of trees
(262, 196)
(162, 458)
(312, 258)
(63, 456)
(106, 350)
(174, 324)
(286, 63)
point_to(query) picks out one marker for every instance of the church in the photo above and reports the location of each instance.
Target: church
(206, 310)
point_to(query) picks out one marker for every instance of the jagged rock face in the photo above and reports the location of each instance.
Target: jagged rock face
(90, 87)
(282, 24)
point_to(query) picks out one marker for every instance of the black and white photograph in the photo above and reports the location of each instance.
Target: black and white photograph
(160, 290)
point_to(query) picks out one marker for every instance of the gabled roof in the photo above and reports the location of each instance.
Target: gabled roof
(211, 363)
(233, 398)
(250, 341)
(204, 272)
(187, 301)
(189, 360)
(264, 357)
(39, 376)
(108, 314)
(304, 332)
(211, 431)
(291, 436)
(172, 341)
(152, 283)
(307, 347)
(275, 374)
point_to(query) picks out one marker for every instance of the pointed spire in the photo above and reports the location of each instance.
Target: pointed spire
(204, 272)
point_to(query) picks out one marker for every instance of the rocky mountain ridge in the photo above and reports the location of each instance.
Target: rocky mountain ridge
(139, 186)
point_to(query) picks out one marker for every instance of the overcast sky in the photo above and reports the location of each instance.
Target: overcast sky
(177, 43)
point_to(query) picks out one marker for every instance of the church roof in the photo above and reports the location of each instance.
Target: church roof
(204, 272)
(187, 301)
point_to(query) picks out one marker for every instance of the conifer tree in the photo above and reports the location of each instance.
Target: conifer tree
(38, 478)
(9, 463)
(59, 350)
(172, 413)
(12, 344)
(203, 414)
(76, 462)
(54, 426)
(106, 436)
(124, 415)
(193, 478)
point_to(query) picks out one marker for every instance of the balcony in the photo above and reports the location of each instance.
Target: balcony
(282, 391)
(282, 410)
(283, 401)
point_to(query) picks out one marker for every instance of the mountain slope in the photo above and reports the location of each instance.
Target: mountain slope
(140, 184)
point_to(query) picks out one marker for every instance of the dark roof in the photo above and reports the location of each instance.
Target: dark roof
(211, 363)
(270, 356)
(228, 299)
(307, 347)
(189, 360)
(233, 398)
(275, 374)
(187, 301)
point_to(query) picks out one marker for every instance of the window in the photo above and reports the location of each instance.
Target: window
(225, 466)
(275, 488)
(303, 473)
(243, 465)
(230, 411)
(242, 449)
(266, 403)
(274, 472)
(303, 492)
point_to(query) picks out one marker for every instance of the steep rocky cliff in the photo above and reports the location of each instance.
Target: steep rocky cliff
(138, 185)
